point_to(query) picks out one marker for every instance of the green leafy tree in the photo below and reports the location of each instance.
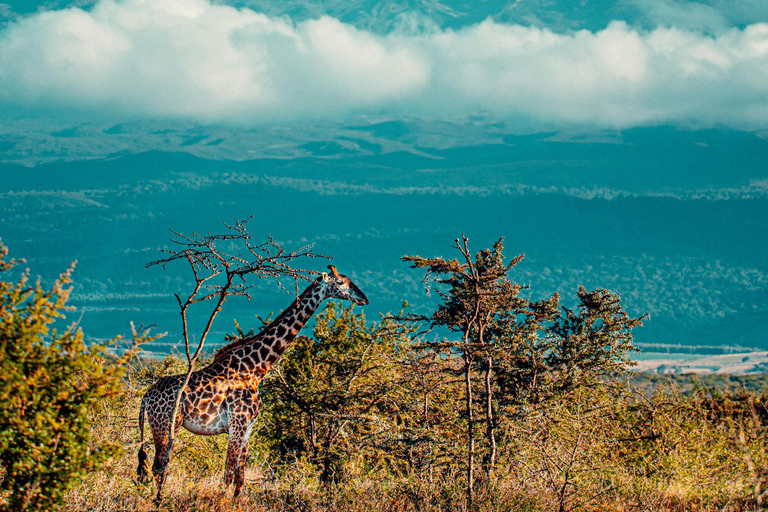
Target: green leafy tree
(526, 351)
(476, 294)
(551, 349)
(592, 342)
(338, 397)
(51, 384)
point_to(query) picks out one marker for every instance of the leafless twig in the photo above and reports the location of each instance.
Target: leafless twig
(220, 264)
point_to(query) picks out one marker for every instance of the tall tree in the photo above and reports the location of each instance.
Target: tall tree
(475, 293)
(526, 351)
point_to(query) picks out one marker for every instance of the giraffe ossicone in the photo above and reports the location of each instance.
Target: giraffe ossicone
(223, 396)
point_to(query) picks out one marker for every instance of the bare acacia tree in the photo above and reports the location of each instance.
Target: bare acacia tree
(220, 264)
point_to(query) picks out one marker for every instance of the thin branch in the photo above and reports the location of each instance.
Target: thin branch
(215, 263)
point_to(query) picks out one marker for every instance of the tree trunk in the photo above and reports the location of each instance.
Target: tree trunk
(313, 433)
(328, 458)
(490, 421)
(470, 431)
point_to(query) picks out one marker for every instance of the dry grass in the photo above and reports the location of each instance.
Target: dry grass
(575, 457)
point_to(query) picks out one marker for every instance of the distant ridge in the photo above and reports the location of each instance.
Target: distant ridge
(694, 261)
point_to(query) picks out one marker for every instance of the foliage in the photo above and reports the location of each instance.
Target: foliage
(338, 397)
(706, 447)
(602, 446)
(525, 352)
(52, 384)
(368, 416)
(477, 291)
(608, 447)
(596, 447)
(553, 349)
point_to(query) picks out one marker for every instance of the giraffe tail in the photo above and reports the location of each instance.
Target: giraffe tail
(141, 471)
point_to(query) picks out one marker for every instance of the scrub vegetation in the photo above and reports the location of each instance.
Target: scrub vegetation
(490, 402)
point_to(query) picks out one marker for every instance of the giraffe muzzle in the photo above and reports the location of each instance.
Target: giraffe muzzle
(359, 298)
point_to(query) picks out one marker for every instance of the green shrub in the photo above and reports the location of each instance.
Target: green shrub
(51, 382)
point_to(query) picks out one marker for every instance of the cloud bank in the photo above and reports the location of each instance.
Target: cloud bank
(213, 63)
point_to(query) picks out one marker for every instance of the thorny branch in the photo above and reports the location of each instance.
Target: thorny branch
(219, 265)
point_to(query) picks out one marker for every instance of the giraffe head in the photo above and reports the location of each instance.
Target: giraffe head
(338, 286)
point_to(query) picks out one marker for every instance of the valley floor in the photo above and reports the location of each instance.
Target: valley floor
(721, 364)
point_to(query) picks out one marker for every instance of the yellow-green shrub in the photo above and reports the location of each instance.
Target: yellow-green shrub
(50, 383)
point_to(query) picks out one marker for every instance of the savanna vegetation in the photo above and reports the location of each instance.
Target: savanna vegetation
(490, 402)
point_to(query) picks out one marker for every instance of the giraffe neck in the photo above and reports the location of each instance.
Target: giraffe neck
(260, 352)
(281, 332)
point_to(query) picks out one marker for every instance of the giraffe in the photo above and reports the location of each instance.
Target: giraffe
(223, 396)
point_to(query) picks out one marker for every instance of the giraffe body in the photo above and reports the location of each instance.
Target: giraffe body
(223, 396)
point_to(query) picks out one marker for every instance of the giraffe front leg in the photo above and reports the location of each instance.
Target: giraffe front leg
(237, 452)
(240, 428)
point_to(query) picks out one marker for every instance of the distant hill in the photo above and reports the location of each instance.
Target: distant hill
(676, 221)
(557, 15)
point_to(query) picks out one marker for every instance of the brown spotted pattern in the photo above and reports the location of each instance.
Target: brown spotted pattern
(223, 396)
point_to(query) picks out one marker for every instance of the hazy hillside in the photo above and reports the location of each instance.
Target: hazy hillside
(558, 15)
(673, 220)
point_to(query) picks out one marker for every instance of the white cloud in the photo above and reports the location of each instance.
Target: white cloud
(214, 63)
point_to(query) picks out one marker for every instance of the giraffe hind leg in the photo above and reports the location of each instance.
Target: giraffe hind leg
(141, 472)
(157, 465)
(163, 446)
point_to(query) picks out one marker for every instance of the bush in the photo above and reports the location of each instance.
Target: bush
(335, 399)
(51, 383)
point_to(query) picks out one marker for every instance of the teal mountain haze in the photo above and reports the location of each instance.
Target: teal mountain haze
(616, 144)
(648, 213)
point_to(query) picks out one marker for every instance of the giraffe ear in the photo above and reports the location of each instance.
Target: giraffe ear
(325, 276)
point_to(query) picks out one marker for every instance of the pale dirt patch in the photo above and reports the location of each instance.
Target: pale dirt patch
(735, 364)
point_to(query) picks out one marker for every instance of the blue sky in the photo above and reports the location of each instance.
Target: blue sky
(659, 62)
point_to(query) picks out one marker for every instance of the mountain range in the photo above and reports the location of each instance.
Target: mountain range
(674, 220)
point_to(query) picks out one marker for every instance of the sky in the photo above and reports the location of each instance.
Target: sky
(687, 64)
